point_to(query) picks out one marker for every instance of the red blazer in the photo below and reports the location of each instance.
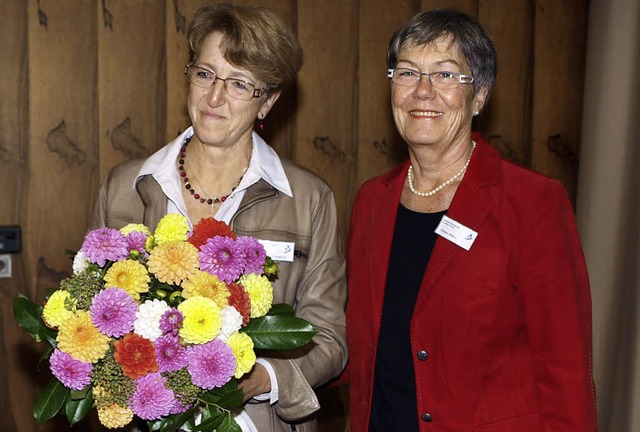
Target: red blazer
(502, 332)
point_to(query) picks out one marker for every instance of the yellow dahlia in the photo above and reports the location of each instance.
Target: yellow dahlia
(114, 416)
(173, 261)
(128, 275)
(202, 320)
(171, 227)
(260, 292)
(79, 338)
(206, 285)
(242, 347)
(135, 227)
(59, 308)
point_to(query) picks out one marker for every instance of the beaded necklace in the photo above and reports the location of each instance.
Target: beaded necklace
(210, 201)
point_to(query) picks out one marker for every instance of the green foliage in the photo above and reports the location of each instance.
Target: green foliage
(50, 400)
(280, 329)
(27, 315)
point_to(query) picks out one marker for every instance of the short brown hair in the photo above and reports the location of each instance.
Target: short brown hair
(255, 39)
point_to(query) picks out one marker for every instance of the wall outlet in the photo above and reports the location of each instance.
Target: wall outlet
(5, 266)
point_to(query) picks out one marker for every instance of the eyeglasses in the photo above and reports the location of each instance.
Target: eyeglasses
(442, 80)
(236, 88)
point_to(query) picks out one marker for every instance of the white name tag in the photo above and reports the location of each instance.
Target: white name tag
(278, 251)
(456, 232)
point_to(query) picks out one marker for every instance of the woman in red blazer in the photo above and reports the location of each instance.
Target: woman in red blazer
(469, 305)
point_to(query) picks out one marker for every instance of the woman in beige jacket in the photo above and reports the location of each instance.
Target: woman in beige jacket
(241, 58)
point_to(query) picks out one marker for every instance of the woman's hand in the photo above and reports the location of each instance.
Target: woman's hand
(255, 382)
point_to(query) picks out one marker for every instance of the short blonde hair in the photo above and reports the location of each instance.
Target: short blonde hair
(255, 39)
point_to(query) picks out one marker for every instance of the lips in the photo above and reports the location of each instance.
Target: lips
(418, 113)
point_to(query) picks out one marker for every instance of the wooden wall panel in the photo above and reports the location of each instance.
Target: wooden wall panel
(380, 147)
(467, 6)
(178, 15)
(326, 117)
(15, 386)
(88, 84)
(132, 80)
(559, 40)
(62, 135)
(506, 121)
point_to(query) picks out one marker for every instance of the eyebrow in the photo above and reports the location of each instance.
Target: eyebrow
(235, 74)
(439, 63)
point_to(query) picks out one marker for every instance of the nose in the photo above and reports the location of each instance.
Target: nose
(424, 89)
(216, 91)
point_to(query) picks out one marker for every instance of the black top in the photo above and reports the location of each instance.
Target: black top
(394, 406)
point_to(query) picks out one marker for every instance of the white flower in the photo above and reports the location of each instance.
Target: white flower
(147, 323)
(80, 263)
(231, 322)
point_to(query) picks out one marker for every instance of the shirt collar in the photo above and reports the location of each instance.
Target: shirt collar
(265, 164)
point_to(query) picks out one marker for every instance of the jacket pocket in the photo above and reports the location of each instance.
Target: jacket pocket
(526, 423)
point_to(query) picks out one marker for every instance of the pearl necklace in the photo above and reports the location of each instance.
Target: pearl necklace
(443, 185)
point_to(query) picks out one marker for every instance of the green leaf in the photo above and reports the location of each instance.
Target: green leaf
(27, 315)
(77, 409)
(171, 423)
(211, 420)
(80, 394)
(232, 399)
(49, 401)
(229, 425)
(281, 309)
(279, 332)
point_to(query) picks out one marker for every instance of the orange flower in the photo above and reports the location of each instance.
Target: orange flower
(240, 300)
(136, 355)
(208, 228)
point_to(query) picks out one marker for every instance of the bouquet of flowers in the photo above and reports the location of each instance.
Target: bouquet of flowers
(159, 326)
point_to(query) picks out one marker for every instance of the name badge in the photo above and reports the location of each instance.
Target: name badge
(456, 232)
(278, 251)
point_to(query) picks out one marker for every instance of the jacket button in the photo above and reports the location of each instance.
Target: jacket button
(427, 417)
(422, 355)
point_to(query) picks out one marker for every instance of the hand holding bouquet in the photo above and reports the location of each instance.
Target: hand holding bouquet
(159, 326)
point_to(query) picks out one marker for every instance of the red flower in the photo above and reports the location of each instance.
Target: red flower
(208, 228)
(136, 355)
(240, 300)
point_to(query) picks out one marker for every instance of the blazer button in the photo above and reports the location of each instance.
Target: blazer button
(427, 417)
(422, 355)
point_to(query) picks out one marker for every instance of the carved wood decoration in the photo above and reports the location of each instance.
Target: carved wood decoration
(87, 84)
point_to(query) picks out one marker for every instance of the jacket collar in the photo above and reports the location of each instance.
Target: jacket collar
(470, 207)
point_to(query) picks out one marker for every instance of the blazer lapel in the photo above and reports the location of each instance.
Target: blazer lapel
(470, 207)
(382, 221)
(154, 199)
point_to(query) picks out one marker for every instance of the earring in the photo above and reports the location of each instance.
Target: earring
(260, 121)
(475, 113)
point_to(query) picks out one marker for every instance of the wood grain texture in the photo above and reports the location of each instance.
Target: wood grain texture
(91, 83)
(132, 80)
(506, 122)
(558, 78)
(327, 112)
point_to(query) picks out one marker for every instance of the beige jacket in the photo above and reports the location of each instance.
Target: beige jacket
(314, 283)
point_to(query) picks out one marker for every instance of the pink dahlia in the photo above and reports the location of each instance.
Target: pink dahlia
(152, 399)
(171, 356)
(255, 255)
(72, 373)
(211, 364)
(136, 241)
(105, 244)
(113, 312)
(222, 257)
(171, 321)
